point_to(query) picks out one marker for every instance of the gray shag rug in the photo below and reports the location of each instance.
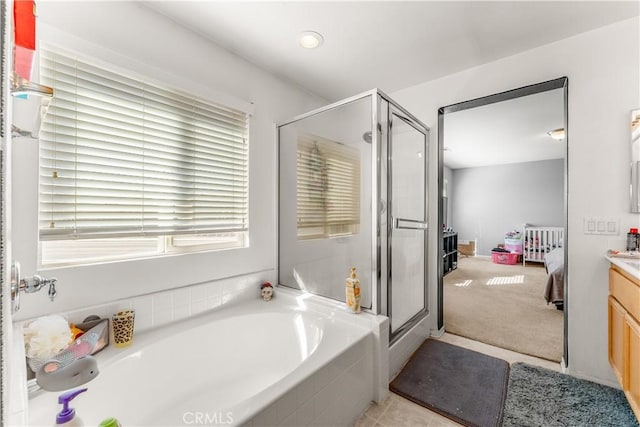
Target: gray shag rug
(540, 397)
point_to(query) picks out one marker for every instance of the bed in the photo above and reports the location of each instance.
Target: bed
(554, 290)
(545, 244)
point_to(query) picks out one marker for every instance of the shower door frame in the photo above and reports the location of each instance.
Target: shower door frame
(380, 283)
(375, 187)
(411, 120)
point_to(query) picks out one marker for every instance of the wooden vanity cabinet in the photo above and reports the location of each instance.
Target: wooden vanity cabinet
(616, 338)
(633, 386)
(624, 333)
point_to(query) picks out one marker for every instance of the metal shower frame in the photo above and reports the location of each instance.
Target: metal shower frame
(378, 149)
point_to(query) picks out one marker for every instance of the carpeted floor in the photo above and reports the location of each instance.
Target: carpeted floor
(503, 305)
(540, 397)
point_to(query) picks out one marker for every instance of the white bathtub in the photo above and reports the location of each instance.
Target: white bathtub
(291, 361)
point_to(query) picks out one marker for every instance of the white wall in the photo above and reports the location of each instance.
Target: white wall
(488, 201)
(603, 71)
(130, 36)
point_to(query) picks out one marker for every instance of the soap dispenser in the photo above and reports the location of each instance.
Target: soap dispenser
(353, 291)
(67, 417)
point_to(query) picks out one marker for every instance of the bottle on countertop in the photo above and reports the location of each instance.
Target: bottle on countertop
(632, 240)
(353, 291)
(110, 422)
(67, 416)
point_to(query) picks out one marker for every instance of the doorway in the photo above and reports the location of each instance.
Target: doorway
(498, 176)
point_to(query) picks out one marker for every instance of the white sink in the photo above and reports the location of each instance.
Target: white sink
(630, 265)
(633, 263)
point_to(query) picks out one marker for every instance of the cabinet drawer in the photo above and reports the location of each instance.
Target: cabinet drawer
(625, 291)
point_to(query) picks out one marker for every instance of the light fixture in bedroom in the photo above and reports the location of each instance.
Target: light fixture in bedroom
(557, 134)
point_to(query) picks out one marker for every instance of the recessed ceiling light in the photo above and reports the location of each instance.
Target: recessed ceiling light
(557, 134)
(310, 39)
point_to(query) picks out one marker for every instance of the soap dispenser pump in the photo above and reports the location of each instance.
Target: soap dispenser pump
(67, 417)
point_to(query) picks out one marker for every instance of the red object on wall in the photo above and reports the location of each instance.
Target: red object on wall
(24, 20)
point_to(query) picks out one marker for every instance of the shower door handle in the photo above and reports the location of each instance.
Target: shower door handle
(409, 224)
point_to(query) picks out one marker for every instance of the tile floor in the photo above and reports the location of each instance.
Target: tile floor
(397, 411)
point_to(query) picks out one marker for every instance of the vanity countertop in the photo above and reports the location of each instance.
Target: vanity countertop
(629, 265)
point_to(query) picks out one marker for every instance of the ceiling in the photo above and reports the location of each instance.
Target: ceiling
(389, 45)
(396, 44)
(512, 131)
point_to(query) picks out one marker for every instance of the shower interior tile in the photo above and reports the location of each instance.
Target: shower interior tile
(214, 289)
(214, 301)
(162, 315)
(227, 298)
(143, 307)
(198, 306)
(181, 297)
(199, 293)
(232, 285)
(162, 301)
(181, 312)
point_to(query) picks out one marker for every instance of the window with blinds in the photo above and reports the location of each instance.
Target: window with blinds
(327, 188)
(124, 162)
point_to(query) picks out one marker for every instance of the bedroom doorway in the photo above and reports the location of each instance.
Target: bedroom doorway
(502, 173)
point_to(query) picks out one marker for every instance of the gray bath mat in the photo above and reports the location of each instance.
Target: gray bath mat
(464, 385)
(540, 397)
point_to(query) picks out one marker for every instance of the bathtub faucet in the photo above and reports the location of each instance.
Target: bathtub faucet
(28, 285)
(35, 283)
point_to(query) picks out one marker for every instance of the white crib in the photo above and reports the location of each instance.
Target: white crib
(538, 241)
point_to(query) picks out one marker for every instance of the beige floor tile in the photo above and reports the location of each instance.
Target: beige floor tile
(396, 411)
(402, 413)
(365, 421)
(501, 353)
(376, 410)
(437, 420)
(431, 418)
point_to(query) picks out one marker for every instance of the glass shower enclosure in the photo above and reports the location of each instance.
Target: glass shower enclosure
(352, 192)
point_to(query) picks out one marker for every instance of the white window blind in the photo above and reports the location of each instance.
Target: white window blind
(120, 157)
(327, 188)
